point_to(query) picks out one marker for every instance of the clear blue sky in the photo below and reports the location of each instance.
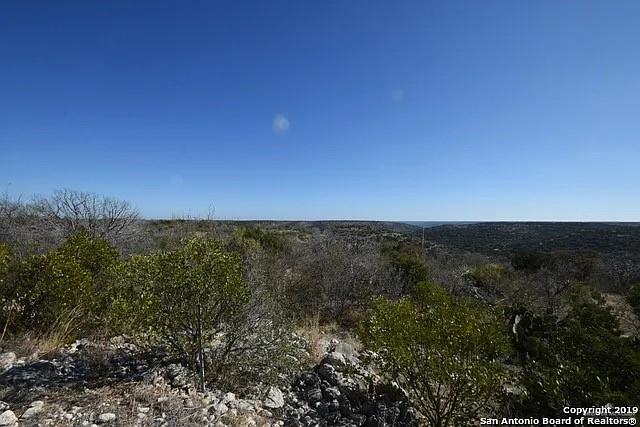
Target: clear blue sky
(399, 110)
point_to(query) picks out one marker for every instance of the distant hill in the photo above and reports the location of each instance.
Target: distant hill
(506, 237)
(492, 238)
(429, 224)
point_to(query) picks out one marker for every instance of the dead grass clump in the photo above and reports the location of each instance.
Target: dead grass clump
(59, 334)
(314, 334)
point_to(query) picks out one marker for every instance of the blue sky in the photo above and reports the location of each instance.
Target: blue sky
(395, 110)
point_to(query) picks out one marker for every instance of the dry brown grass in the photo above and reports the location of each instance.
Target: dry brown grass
(321, 334)
(59, 334)
(314, 335)
(9, 308)
(33, 346)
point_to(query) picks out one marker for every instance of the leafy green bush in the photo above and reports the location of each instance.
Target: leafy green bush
(100, 259)
(48, 287)
(5, 261)
(444, 352)
(267, 239)
(93, 254)
(577, 360)
(45, 289)
(489, 275)
(410, 267)
(6, 298)
(185, 299)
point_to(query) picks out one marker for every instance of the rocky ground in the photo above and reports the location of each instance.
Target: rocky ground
(125, 387)
(338, 391)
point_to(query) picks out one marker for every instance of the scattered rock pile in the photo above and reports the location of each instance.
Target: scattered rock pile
(341, 393)
(73, 367)
(74, 394)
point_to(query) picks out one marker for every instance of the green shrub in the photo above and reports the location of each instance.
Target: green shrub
(577, 360)
(65, 284)
(49, 287)
(444, 352)
(267, 239)
(489, 275)
(6, 298)
(185, 299)
(99, 258)
(5, 259)
(93, 254)
(410, 267)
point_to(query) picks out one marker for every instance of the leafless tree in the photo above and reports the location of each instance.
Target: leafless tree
(334, 275)
(10, 210)
(75, 210)
(22, 231)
